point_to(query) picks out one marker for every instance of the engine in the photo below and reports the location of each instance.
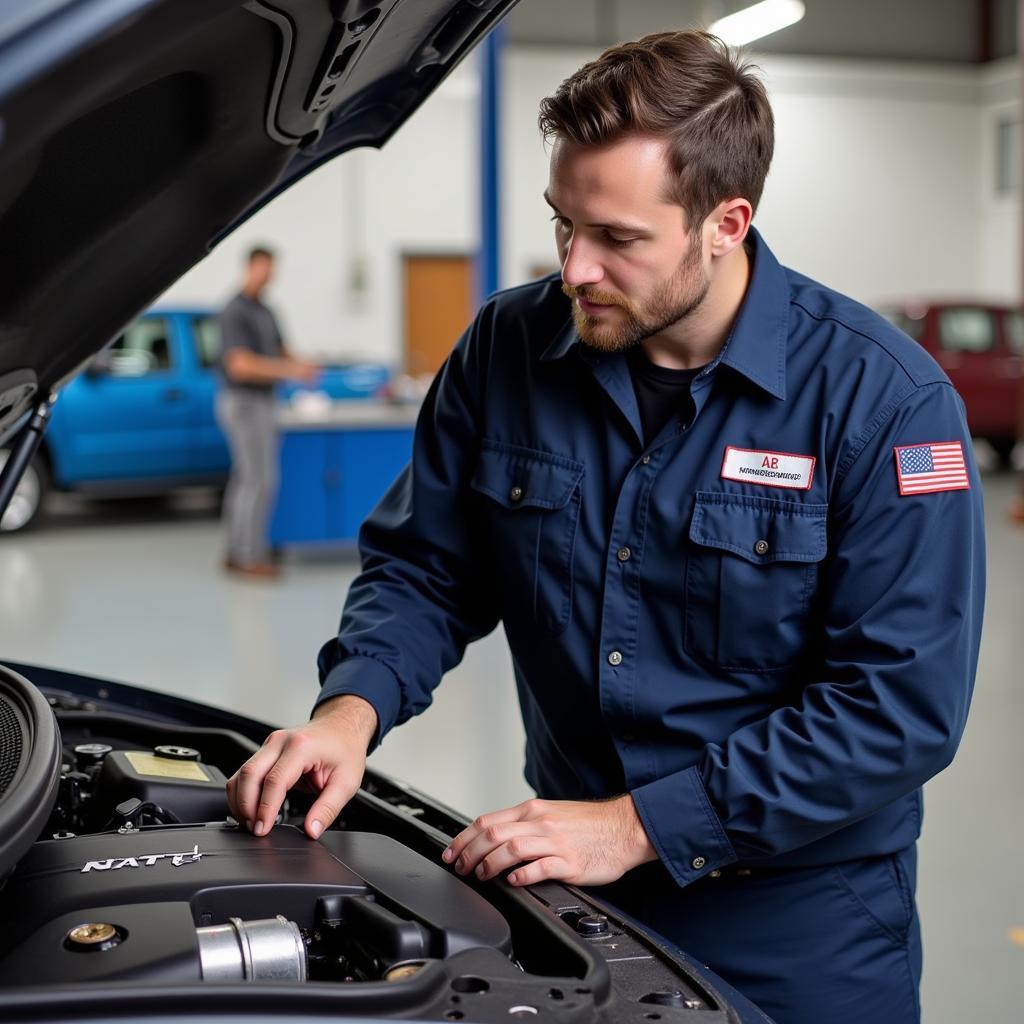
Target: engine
(127, 889)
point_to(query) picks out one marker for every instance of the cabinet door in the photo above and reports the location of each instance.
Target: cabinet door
(332, 479)
(306, 482)
(369, 461)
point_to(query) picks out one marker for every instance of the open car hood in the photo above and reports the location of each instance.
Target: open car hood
(134, 134)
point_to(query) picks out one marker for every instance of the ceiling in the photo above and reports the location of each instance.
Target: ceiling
(963, 31)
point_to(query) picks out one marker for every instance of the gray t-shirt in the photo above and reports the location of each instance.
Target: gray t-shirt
(248, 323)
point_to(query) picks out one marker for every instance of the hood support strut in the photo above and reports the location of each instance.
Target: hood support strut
(23, 448)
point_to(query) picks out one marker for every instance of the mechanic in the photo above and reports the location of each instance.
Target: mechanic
(252, 360)
(732, 525)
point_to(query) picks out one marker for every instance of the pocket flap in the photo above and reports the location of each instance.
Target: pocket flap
(524, 478)
(761, 530)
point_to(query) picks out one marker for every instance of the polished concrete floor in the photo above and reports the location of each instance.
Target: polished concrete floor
(133, 592)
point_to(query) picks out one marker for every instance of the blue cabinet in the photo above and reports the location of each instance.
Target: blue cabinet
(333, 473)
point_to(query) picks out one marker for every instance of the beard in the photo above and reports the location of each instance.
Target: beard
(672, 302)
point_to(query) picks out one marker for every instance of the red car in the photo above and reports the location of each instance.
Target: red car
(979, 346)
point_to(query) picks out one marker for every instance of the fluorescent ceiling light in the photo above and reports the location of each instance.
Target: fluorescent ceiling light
(760, 20)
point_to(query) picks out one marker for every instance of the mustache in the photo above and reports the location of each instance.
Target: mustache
(592, 295)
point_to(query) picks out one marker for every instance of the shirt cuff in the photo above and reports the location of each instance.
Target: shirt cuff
(374, 682)
(682, 826)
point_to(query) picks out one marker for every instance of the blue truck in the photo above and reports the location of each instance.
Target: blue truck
(139, 418)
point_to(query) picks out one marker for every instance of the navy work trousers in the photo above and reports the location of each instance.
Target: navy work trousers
(839, 943)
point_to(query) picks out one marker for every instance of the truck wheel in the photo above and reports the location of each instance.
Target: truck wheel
(27, 503)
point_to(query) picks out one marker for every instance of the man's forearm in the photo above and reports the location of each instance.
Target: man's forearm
(245, 367)
(358, 713)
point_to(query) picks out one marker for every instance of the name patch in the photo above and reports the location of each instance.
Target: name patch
(771, 469)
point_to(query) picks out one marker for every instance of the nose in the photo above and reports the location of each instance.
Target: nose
(579, 266)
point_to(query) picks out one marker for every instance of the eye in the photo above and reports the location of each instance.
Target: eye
(620, 243)
(561, 223)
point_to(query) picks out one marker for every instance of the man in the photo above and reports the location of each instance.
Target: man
(253, 358)
(731, 524)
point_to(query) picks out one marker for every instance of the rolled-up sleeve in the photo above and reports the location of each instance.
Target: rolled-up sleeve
(902, 595)
(421, 596)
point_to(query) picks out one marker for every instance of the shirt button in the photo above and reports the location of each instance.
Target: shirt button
(697, 863)
(715, 874)
(646, 460)
(761, 547)
(615, 658)
(624, 554)
(516, 494)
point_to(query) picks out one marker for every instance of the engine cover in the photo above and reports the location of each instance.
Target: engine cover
(155, 886)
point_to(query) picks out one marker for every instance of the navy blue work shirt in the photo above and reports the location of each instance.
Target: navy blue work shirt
(763, 623)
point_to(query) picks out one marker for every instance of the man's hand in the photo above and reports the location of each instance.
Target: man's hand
(327, 754)
(301, 370)
(583, 843)
(243, 366)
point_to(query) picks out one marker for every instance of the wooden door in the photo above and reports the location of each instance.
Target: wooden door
(438, 307)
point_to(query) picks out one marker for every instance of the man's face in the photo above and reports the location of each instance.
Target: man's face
(261, 271)
(629, 263)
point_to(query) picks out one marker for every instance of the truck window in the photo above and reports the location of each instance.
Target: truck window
(143, 348)
(1014, 324)
(967, 329)
(207, 334)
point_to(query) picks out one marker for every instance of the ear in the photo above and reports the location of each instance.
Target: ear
(728, 224)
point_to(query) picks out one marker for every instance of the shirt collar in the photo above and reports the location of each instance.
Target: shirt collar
(756, 346)
(565, 339)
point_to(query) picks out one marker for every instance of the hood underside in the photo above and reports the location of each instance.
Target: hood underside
(134, 134)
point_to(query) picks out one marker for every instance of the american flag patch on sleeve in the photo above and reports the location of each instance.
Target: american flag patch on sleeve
(925, 468)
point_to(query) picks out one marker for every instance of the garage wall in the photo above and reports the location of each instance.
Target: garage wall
(883, 185)
(1000, 231)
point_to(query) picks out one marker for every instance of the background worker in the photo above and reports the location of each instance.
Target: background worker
(253, 358)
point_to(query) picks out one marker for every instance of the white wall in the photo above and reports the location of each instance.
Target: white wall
(882, 186)
(1000, 227)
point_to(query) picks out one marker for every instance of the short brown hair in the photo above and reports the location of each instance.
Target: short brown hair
(685, 87)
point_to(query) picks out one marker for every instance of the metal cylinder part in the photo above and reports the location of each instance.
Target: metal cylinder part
(404, 969)
(92, 934)
(266, 950)
(176, 753)
(88, 754)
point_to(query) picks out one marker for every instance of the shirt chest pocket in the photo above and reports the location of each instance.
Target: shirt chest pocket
(751, 574)
(532, 511)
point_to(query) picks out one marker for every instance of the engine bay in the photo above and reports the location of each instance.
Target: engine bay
(141, 887)
(142, 875)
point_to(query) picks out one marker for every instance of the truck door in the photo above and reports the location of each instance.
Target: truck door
(128, 414)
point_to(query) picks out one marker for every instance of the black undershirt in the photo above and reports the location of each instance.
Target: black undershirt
(661, 393)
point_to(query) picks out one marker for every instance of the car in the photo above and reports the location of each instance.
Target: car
(134, 134)
(139, 419)
(979, 345)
